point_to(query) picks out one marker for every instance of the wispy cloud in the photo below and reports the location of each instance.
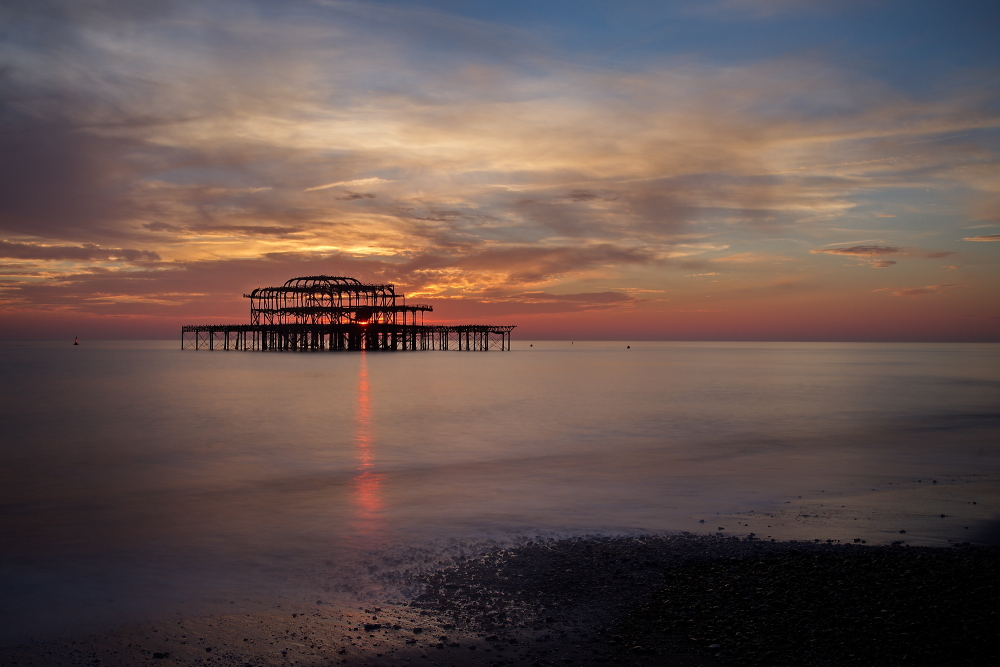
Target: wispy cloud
(860, 250)
(869, 253)
(356, 183)
(87, 252)
(736, 9)
(918, 291)
(987, 237)
(866, 253)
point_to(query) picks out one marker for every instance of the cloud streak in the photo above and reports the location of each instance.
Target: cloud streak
(82, 253)
(866, 252)
(358, 182)
(919, 291)
(869, 253)
(860, 251)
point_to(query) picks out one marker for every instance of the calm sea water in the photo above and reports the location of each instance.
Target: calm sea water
(138, 479)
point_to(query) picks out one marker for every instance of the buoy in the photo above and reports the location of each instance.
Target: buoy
(76, 340)
(628, 347)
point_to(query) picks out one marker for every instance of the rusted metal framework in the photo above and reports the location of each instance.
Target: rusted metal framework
(339, 313)
(318, 300)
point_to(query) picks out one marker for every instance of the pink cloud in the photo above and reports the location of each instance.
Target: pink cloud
(918, 291)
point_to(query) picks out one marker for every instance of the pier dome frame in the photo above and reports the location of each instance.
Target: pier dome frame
(340, 313)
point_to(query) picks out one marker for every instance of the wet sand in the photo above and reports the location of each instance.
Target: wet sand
(653, 600)
(930, 512)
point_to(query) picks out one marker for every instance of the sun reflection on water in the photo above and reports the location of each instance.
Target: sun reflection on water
(366, 497)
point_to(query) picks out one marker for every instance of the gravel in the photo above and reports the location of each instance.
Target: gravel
(684, 599)
(678, 600)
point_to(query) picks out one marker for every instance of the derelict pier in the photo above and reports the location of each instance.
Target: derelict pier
(338, 313)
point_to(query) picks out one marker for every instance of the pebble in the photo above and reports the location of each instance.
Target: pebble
(770, 599)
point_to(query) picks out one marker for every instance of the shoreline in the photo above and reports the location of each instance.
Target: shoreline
(677, 599)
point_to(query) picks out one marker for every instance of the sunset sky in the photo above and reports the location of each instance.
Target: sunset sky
(689, 169)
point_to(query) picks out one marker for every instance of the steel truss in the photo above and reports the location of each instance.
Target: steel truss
(338, 313)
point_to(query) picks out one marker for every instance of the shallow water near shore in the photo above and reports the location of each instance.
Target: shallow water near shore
(142, 480)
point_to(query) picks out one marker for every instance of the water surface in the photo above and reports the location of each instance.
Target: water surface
(141, 479)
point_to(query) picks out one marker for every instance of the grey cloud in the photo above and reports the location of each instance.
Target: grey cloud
(224, 230)
(440, 216)
(529, 264)
(582, 297)
(203, 288)
(649, 211)
(57, 179)
(160, 227)
(251, 230)
(352, 196)
(742, 9)
(869, 252)
(81, 253)
(860, 250)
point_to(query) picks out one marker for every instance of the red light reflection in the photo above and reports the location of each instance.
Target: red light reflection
(367, 496)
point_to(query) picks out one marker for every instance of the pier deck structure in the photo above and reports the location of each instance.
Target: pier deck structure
(339, 313)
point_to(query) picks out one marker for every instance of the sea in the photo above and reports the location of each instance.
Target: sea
(141, 481)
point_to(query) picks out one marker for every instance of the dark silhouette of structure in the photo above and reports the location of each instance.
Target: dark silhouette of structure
(338, 313)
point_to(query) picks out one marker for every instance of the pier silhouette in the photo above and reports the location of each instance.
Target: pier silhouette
(339, 313)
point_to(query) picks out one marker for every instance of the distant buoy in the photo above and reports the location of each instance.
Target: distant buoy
(76, 340)
(530, 345)
(628, 347)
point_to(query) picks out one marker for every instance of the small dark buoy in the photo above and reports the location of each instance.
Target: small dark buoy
(76, 340)
(530, 345)
(628, 347)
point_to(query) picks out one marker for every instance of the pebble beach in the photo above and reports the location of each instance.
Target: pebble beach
(639, 600)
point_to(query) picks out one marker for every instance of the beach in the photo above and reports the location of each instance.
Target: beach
(640, 600)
